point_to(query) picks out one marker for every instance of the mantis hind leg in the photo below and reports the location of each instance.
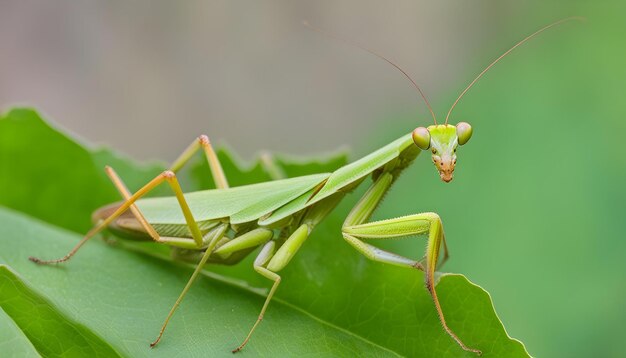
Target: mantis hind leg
(172, 241)
(203, 142)
(167, 176)
(356, 228)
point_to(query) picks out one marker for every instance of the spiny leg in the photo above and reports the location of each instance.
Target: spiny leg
(399, 227)
(215, 235)
(355, 229)
(446, 254)
(268, 263)
(216, 167)
(167, 176)
(376, 254)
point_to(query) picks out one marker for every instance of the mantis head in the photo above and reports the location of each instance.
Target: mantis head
(443, 140)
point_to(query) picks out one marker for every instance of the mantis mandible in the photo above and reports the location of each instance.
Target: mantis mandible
(224, 225)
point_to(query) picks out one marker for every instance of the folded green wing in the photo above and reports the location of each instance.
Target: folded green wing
(240, 204)
(281, 198)
(343, 177)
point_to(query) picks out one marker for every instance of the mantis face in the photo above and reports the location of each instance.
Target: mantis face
(442, 140)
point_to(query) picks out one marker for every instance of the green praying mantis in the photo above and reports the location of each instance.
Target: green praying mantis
(224, 225)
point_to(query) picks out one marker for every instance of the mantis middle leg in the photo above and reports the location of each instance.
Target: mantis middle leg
(268, 263)
(356, 228)
(250, 239)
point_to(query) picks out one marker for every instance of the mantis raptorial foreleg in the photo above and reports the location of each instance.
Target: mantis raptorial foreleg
(355, 229)
(167, 176)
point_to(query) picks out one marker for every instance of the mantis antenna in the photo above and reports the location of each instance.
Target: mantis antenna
(306, 23)
(506, 53)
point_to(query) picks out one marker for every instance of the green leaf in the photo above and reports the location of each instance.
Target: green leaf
(331, 302)
(42, 170)
(50, 332)
(124, 297)
(13, 342)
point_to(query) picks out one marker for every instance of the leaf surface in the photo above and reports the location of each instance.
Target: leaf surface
(50, 332)
(13, 342)
(331, 302)
(124, 296)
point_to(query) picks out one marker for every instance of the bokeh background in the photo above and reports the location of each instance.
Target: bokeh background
(535, 214)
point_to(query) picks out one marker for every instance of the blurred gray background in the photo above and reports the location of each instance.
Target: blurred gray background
(148, 76)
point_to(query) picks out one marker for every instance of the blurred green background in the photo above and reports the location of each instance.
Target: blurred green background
(534, 214)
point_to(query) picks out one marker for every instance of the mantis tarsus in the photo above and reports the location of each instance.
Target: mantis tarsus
(225, 224)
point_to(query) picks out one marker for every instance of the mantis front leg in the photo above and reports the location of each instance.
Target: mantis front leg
(355, 229)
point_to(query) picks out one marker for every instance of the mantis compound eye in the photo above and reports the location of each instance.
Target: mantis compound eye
(421, 137)
(463, 132)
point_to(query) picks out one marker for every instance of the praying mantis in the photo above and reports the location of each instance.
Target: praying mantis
(225, 224)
